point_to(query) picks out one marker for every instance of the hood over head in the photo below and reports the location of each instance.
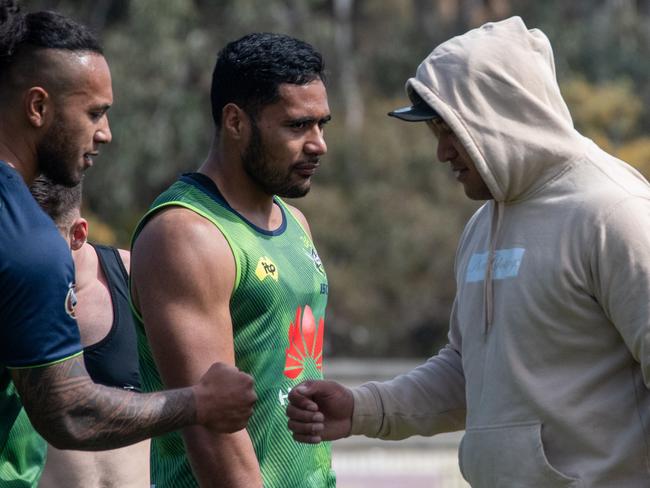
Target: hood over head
(495, 87)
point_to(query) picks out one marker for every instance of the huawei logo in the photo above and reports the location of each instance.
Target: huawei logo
(305, 349)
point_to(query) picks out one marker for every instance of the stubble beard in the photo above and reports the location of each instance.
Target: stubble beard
(56, 157)
(259, 168)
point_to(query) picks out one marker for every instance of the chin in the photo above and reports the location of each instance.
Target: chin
(477, 193)
(479, 197)
(296, 191)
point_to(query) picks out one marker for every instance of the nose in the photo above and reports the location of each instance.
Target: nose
(446, 149)
(103, 134)
(316, 145)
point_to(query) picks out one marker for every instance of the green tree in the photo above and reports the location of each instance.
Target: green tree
(385, 217)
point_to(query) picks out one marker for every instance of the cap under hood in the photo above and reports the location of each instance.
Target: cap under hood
(495, 87)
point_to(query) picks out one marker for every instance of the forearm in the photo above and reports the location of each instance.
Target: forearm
(71, 412)
(425, 401)
(222, 460)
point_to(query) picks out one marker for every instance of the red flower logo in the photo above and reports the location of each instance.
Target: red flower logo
(305, 343)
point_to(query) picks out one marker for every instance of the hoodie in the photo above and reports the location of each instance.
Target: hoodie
(548, 362)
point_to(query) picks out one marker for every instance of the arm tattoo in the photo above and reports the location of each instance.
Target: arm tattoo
(70, 411)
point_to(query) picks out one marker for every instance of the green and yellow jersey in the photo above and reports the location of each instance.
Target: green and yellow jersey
(277, 309)
(23, 451)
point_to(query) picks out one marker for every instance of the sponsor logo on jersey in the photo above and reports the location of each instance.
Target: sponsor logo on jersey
(266, 268)
(305, 349)
(317, 262)
(311, 253)
(71, 301)
(283, 397)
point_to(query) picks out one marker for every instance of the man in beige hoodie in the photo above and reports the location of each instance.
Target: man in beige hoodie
(548, 362)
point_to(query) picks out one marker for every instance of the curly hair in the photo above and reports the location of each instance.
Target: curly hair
(249, 70)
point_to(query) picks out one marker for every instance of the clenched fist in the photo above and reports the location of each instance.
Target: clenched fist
(320, 411)
(224, 398)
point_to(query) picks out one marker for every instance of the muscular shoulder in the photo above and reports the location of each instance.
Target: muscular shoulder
(181, 232)
(32, 250)
(29, 239)
(181, 249)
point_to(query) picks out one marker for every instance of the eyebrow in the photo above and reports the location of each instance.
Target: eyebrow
(103, 107)
(310, 120)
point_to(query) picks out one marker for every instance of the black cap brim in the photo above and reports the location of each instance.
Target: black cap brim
(418, 112)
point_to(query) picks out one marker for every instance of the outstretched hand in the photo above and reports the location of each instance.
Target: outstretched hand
(225, 398)
(320, 411)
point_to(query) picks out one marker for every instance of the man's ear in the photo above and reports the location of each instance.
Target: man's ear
(38, 105)
(78, 233)
(235, 123)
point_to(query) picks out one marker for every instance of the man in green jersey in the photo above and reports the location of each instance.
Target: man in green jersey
(224, 270)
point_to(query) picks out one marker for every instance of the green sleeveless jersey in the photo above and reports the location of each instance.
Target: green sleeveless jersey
(22, 450)
(277, 309)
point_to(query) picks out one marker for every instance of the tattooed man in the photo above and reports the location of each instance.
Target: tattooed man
(55, 91)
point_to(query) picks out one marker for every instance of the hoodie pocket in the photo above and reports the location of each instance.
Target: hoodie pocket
(507, 456)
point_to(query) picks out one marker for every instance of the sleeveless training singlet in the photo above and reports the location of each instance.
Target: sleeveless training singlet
(113, 361)
(277, 309)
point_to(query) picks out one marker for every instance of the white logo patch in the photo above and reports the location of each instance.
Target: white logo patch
(506, 265)
(71, 301)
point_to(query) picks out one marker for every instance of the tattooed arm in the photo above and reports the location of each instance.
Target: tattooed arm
(72, 412)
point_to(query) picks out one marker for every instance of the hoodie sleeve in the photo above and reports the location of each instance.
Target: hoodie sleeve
(428, 400)
(620, 262)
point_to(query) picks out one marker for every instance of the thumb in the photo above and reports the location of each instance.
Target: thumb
(302, 395)
(308, 388)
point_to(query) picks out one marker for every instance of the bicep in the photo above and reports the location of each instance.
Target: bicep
(183, 272)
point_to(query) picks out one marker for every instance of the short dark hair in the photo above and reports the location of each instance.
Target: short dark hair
(58, 201)
(249, 70)
(21, 33)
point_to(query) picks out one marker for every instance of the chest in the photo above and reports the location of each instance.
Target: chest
(94, 313)
(541, 280)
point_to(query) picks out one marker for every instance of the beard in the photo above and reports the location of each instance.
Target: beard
(260, 168)
(57, 156)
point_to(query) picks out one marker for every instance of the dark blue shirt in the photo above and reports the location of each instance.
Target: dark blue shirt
(37, 299)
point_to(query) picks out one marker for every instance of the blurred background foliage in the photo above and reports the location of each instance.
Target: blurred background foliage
(385, 218)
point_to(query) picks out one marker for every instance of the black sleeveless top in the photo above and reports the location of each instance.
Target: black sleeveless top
(113, 361)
